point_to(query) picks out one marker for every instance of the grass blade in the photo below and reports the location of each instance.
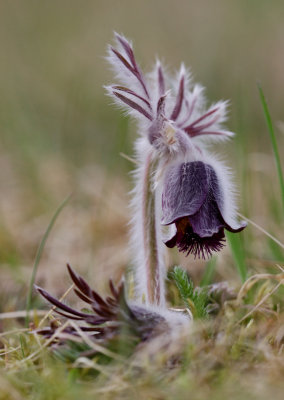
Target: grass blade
(238, 254)
(273, 141)
(209, 272)
(39, 253)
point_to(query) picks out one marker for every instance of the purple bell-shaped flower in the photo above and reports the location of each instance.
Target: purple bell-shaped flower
(193, 200)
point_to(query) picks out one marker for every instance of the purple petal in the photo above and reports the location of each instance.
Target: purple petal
(185, 191)
(208, 219)
(192, 190)
(238, 227)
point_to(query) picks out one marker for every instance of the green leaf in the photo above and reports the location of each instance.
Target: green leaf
(183, 284)
(194, 299)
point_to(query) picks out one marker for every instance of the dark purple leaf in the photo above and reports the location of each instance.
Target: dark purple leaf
(124, 61)
(113, 289)
(128, 49)
(200, 133)
(192, 125)
(134, 68)
(161, 81)
(58, 303)
(133, 105)
(83, 297)
(126, 90)
(179, 100)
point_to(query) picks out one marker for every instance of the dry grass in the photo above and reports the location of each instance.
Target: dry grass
(238, 353)
(58, 136)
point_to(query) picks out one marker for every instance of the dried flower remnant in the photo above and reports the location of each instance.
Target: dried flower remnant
(106, 318)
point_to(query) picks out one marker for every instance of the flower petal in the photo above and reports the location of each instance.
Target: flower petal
(211, 210)
(208, 219)
(192, 190)
(185, 190)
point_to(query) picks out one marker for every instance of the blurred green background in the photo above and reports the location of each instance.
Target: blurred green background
(53, 67)
(60, 134)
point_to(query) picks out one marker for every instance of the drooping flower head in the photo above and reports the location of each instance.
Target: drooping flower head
(193, 200)
(177, 183)
(196, 193)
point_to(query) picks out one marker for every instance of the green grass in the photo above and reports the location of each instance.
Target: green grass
(209, 272)
(60, 134)
(238, 254)
(273, 142)
(39, 254)
(221, 354)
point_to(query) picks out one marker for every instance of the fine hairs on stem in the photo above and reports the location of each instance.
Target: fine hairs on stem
(177, 182)
(146, 241)
(179, 185)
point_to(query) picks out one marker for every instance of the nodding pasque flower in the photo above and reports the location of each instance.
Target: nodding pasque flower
(193, 200)
(178, 183)
(194, 189)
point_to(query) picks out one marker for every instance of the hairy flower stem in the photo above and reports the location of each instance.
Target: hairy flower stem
(153, 267)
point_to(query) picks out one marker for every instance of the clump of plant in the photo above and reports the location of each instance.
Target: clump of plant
(182, 197)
